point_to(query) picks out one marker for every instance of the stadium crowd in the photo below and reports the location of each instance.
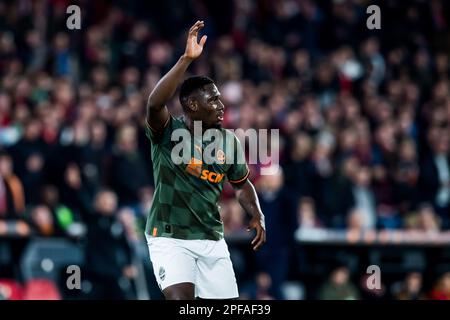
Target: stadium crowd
(363, 117)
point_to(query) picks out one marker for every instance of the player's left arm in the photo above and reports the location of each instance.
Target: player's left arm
(246, 194)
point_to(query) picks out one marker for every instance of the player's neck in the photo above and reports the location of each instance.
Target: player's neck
(190, 125)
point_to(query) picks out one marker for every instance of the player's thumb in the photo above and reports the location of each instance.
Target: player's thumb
(203, 40)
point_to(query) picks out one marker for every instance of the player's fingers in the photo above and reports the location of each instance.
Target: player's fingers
(263, 237)
(203, 40)
(196, 26)
(257, 237)
(259, 242)
(196, 30)
(194, 33)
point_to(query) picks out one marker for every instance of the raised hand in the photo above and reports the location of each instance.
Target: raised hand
(193, 48)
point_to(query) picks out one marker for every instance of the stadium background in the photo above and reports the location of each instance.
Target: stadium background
(364, 123)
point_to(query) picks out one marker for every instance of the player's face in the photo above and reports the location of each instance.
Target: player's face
(210, 108)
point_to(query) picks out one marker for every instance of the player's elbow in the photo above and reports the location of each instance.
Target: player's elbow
(153, 105)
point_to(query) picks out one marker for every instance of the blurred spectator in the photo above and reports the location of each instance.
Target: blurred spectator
(364, 199)
(441, 289)
(95, 156)
(263, 287)
(306, 215)
(279, 207)
(425, 219)
(338, 286)
(340, 197)
(29, 159)
(65, 219)
(108, 255)
(44, 222)
(127, 162)
(406, 176)
(299, 165)
(355, 220)
(61, 56)
(74, 192)
(12, 198)
(435, 176)
(411, 288)
(260, 289)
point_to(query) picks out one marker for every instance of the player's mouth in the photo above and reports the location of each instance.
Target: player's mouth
(220, 116)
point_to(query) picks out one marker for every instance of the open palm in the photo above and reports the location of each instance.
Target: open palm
(194, 48)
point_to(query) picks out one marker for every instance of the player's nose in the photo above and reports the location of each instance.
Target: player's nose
(221, 106)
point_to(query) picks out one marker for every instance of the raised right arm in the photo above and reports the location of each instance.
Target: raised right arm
(157, 112)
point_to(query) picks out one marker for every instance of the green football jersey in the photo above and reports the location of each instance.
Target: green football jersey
(185, 202)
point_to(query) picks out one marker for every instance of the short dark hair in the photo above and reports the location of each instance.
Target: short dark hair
(191, 84)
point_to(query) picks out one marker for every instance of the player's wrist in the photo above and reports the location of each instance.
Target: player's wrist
(258, 216)
(186, 58)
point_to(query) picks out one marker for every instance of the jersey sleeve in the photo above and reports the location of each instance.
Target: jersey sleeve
(156, 137)
(238, 171)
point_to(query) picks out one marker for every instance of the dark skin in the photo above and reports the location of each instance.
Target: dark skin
(203, 105)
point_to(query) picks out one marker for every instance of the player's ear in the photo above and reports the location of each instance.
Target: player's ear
(192, 104)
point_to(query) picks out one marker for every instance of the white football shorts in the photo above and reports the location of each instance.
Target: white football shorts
(205, 263)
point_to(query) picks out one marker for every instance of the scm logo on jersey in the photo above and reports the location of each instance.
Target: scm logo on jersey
(195, 168)
(211, 176)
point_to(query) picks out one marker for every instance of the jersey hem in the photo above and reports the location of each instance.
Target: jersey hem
(198, 236)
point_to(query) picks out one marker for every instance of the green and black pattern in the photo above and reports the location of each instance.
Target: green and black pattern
(185, 206)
